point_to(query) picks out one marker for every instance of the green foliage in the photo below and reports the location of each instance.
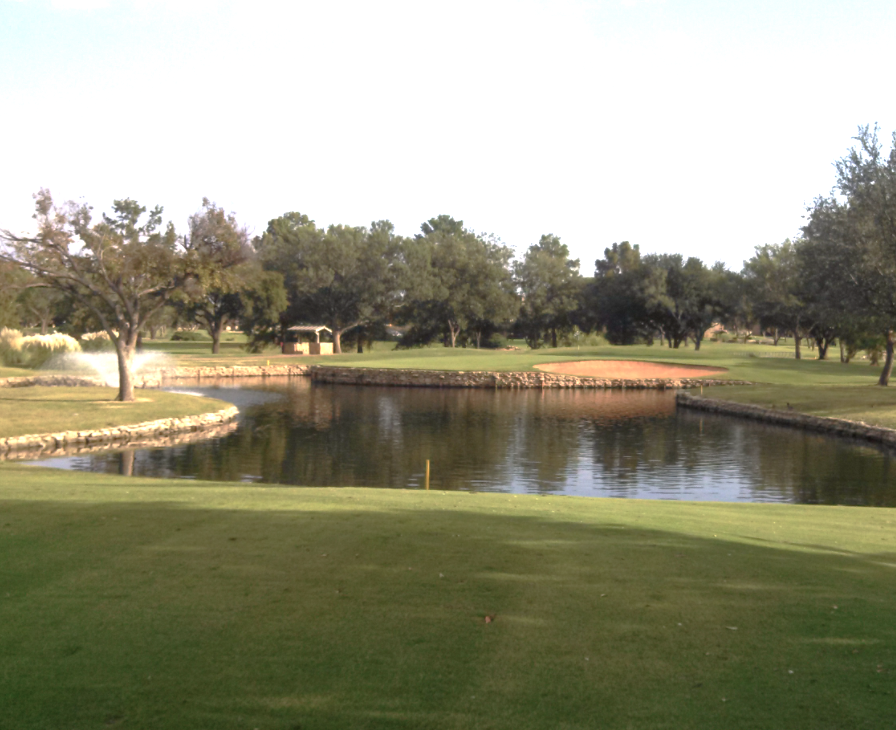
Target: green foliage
(190, 336)
(122, 268)
(616, 300)
(344, 277)
(220, 260)
(12, 278)
(773, 279)
(851, 241)
(551, 290)
(459, 285)
(264, 303)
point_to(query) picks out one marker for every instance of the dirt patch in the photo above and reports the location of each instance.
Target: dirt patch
(629, 369)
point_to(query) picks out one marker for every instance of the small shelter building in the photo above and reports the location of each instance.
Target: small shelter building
(304, 339)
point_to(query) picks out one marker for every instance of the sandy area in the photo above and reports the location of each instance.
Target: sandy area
(628, 369)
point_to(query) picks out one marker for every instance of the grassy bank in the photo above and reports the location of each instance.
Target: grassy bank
(870, 404)
(154, 604)
(760, 363)
(45, 409)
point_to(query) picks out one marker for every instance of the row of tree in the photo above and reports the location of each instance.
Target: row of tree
(126, 273)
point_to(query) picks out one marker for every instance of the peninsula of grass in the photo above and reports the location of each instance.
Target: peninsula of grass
(138, 603)
(49, 409)
(870, 404)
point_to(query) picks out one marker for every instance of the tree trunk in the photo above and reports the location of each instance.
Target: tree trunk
(822, 347)
(698, 338)
(126, 463)
(44, 325)
(126, 370)
(553, 337)
(797, 341)
(888, 361)
(843, 358)
(216, 330)
(776, 336)
(337, 341)
(453, 333)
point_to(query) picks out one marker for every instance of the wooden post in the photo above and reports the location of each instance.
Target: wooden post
(427, 474)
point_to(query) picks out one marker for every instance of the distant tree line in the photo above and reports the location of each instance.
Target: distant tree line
(129, 275)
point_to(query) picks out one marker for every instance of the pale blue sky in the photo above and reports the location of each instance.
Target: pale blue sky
(697, 127)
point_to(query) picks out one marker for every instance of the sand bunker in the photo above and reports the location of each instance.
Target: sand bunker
(629, 369)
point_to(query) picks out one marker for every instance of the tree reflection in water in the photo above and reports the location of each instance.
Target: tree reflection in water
(582, 442)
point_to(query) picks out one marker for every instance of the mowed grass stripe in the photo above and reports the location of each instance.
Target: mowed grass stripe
(156, 604)
(38, 409)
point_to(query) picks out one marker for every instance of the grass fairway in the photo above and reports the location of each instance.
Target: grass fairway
(136, 603)
(758, 363)
(871, 404)
(6, 372)
(50, 409)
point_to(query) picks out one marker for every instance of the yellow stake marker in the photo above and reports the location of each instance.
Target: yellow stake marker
(427, 474)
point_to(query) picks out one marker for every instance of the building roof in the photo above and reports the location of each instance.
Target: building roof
(309, 328)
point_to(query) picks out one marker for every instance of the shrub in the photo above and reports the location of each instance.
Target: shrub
(496, 342)
(11, 353)
(33, 351)
(39, 349)
(96, 342)
(190, 336)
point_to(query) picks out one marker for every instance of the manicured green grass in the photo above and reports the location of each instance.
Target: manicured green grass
(158, 604)
(739, 359)
(6, 372)
(46, 409)
(871, 404)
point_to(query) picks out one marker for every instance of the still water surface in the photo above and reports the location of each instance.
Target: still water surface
(589, 443)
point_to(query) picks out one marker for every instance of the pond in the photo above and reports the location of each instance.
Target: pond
(570, 442)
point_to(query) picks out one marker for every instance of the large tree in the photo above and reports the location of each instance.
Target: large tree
(459, 282)
(220, 256)
(853, 232)
(122, 268)
(686, 297)
(344, 277)
(773, 279)
(11, 282)
(617, 299)
(551, 288)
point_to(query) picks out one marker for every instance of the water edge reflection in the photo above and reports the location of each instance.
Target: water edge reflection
(594, 443)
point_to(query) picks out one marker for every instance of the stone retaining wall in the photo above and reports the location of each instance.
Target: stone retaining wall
(152, 442)
(833, 426)
(384, 376)
(155, 378)
(232, 371)
(118, 435)
(486, 379)
(63, 381)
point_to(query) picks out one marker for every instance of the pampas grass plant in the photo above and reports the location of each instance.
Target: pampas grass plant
(33, 351)
(96, 342)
